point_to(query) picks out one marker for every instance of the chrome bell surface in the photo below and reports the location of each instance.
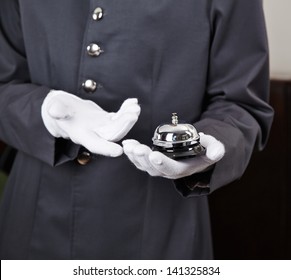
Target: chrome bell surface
(177, 140)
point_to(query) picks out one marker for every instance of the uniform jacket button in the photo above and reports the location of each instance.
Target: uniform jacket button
(84, 158)
(98, 14)
(89, 85)
(94, 50)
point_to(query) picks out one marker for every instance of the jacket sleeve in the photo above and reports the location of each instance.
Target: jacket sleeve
(236, 104)
(21, 125)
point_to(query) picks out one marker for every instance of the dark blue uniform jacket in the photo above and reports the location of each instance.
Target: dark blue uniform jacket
(207, 60)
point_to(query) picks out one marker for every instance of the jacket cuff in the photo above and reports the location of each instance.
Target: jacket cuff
(194, 185)
(65, 150)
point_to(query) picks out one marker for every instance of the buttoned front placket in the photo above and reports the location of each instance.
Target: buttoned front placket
(89, 63)
(94, 50)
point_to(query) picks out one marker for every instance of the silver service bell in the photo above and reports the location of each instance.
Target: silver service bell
(177, 140)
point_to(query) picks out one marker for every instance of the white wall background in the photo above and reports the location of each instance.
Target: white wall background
(278, 20)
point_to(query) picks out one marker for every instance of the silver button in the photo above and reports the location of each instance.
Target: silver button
(84, 158)
(94, 50)
(98, 14)
(89, 85)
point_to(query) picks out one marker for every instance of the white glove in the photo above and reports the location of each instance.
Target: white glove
(157, 164)
(84, 122)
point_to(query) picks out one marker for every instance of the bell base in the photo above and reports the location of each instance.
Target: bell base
(181, 152)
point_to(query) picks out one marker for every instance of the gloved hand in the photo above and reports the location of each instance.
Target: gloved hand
(84, 122)
(157, 164)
